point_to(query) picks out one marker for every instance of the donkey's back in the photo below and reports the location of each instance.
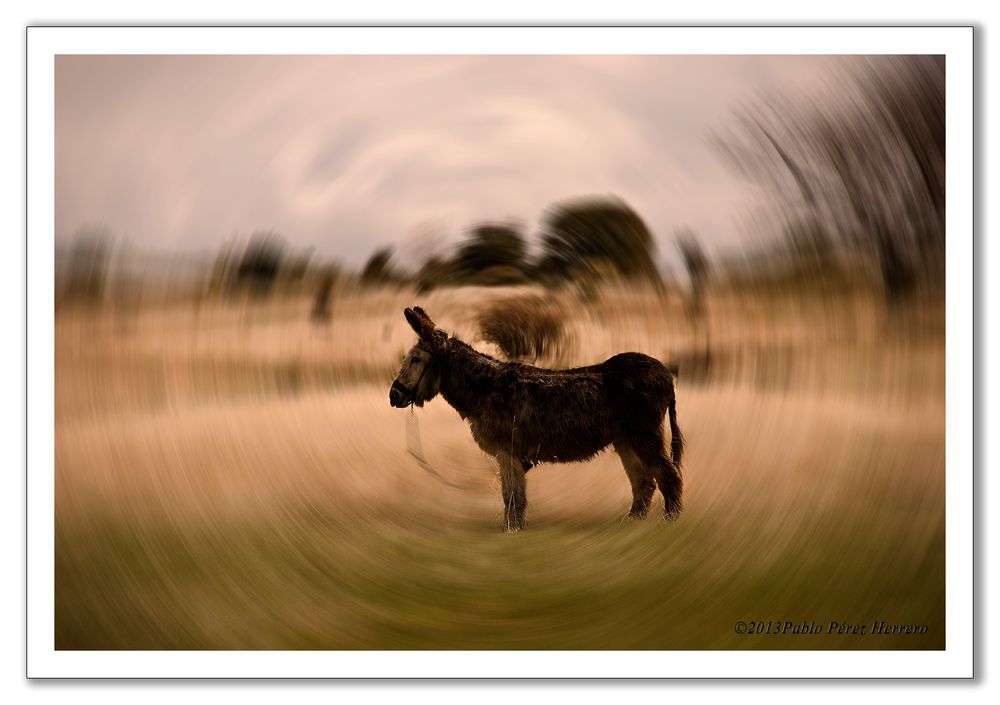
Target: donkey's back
(573, 414)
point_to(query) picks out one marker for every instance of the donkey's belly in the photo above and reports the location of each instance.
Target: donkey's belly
(562, 443)
(553, 443)
(565, 454)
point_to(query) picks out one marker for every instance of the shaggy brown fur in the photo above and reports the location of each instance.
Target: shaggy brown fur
(524, 415)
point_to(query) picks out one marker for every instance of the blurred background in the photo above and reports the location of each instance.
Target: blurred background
(236, 238)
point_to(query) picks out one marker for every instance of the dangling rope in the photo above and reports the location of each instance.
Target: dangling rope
(415, 448)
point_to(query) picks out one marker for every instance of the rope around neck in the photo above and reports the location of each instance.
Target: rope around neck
(415, 448)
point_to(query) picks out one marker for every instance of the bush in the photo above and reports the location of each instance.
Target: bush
(523, 327)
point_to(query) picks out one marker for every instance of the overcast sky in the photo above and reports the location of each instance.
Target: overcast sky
(348, 153)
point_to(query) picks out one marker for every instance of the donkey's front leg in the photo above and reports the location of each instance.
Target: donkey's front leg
(512, 484)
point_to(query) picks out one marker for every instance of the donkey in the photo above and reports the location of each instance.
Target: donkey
(524, 415)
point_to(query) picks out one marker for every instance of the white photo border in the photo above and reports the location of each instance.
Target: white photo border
(44, 43)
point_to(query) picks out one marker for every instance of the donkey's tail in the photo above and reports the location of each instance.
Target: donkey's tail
(676, 437)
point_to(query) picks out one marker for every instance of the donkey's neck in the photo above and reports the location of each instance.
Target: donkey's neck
(468, 378)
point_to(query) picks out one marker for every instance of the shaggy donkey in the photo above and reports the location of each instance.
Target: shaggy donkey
(524, 415)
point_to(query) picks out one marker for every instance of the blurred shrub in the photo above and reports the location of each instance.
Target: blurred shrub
(523, 327)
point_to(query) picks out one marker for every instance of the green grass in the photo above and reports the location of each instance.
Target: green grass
(312, 582)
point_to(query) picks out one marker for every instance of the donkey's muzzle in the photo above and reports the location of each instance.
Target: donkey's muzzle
(399, 396)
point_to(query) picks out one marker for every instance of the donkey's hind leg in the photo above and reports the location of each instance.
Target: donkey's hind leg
(512, 484)
(641, 479)
(652, 452)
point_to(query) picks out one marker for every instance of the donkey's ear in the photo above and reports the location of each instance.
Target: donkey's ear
(423, 314)
(423, 325)
(412, 319)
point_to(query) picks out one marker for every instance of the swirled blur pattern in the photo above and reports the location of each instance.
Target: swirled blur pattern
(230, 474)
(232, 484)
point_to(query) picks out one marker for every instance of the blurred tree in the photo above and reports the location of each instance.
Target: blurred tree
(696, 264)
(321, 312)
(498, 248)
(867, 171)
(492, 254)
(378, 267)
(577, 233)
(88, 265)
(808, 239)
(222, 270)
(258, 268)
(297, 264)
(434, 272)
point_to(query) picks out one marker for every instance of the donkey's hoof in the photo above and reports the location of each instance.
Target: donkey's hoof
(513, 526)
(672, 516)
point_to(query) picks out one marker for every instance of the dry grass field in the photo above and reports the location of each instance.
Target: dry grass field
(232, 477)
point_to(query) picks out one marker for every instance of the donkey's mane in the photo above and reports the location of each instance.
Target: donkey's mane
(472, 380)
(468, 376)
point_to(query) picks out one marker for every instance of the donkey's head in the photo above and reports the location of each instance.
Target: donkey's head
(419, 379)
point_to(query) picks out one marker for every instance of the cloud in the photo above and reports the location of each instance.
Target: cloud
(347, 153)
